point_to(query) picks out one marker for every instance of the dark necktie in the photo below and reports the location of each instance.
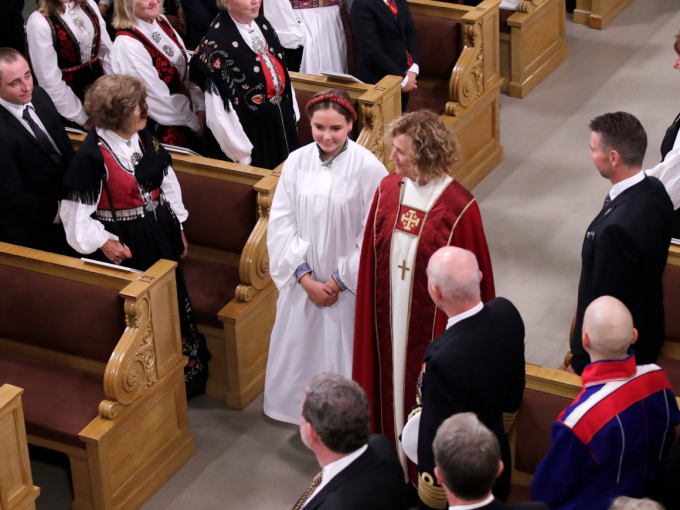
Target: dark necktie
(41, 136)
(308, 492)
(607, 201)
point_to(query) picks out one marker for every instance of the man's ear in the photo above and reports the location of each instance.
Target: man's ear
(438, 476)
(435, 293)
(615, 158)
(635, 336)
(481, 276)
(585, 340)
(501, 466)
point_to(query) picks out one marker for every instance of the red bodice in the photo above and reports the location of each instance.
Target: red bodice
(122, 186)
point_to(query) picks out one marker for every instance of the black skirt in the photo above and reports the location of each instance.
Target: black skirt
(154, 236)
(272, 131)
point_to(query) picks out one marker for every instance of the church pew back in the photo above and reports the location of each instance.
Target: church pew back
(468, 95)
(598, 13)
(122, 421)
(17, 491)
(669, 359)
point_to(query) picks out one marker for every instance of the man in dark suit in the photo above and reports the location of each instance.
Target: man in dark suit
(387, 42)
(468, 461)
(626, 246)
(358, 471)
(476, 365)
(34, 155)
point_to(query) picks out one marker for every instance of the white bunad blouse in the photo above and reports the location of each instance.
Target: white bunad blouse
(668, 172)
(225, 125)
(44, 56)
(130, 57)
(86, 234)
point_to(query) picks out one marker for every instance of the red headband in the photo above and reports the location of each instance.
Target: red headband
(334, 99)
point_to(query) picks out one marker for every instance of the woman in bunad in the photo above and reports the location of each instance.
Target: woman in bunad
(69, 48)
(668, 171)
(316, 229)
(320, 27)
(250, 102)
(148, 48)
(124, 204)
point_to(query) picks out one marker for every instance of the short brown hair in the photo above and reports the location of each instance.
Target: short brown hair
(52, 7)
(623, 133)
(112, 99)
(338, 410)
(8, 56)
(124, 13)
(434, 148)
(468, 456)
(329, 105)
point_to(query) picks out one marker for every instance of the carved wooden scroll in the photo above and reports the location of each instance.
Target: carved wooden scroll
(372, 134)
(254, 263)
(529, 5)
(467, 79)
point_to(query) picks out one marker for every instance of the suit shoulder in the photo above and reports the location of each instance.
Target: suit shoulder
(505, 306)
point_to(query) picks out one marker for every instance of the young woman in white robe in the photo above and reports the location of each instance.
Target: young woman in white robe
(316, 228)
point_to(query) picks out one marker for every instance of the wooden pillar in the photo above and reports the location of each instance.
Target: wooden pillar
(16, 482)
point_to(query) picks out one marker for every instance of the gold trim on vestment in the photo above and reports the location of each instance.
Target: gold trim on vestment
(432, 495)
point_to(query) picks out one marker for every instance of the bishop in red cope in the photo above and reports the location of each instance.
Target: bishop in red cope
(414, 213)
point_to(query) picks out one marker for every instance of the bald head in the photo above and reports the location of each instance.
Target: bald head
(608, 326)
(454, 272)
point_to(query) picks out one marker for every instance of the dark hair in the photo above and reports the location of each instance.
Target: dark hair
(468, 455)
(326, 105)
(623, 133)
(52, 7)
(338, 411)
(8, 56)
(112, 99)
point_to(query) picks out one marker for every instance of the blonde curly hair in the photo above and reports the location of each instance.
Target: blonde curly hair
(434, 148)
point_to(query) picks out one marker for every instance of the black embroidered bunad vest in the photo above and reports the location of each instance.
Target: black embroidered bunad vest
(255, 84)
(172, 77)
(78, 75)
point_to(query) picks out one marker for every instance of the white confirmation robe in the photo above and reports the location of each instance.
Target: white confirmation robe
(404, 247)
(318, 218)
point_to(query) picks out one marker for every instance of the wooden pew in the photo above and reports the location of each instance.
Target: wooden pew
(227, 269)
(17, 491)
(533, 43)
(376, 106)
(99, 355)
(598, 13)
(548, 392)
(669, 359)
(460, 79)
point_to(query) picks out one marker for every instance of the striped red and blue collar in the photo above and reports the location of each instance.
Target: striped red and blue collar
(605, 371)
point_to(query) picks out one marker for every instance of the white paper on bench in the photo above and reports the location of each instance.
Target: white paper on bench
(341, 77)
(510, 4)
(676, 242)
(114, 266)
(179, 150)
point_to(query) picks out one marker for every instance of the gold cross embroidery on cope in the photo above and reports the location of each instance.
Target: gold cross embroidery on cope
(410, 220)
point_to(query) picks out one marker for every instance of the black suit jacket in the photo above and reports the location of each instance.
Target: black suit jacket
(624, 255)
(383, 39)
(200, 14)
(31, 183)
(497, 505)
(477, 365)
(374, 481)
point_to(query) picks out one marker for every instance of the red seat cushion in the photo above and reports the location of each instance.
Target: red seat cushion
(439, 43)
(504, 14)
(672, 368)
(519, 494)
(58, 402)
(671, 302)
(427, 99)
(211, 285)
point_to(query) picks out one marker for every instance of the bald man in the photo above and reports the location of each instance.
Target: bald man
(476, 365)
(610, 441)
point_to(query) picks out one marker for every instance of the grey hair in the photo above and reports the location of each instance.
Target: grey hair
(9, 56)
(338, 411)
(452, 287)
(626, 503)
(468, 455)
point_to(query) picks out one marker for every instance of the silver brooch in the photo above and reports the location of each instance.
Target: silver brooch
(136, 158)
(167, 49)
(156, 37)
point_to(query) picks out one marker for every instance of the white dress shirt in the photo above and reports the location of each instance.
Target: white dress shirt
(129, 56)
(481, 504)
(414, 67)
(225, 125)
(84, 233)
(44, 56)
(333, 469)
(18, 110)
(461, 316)
(622, 186)
(668, 172)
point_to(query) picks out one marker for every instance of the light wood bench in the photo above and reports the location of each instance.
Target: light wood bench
(533, 43)
(598, 13)
(17, 491)
(99, 355)
(460, 79)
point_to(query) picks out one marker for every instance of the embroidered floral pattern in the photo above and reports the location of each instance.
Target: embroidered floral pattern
(66, 47)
